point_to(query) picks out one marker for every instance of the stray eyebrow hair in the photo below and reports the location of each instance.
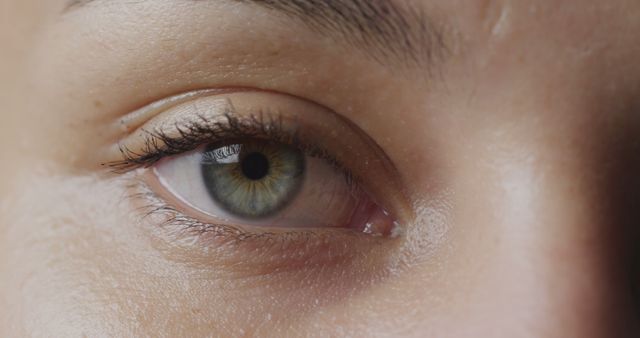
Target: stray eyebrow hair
(384, 29)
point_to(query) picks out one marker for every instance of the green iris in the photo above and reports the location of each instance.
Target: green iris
(253, 179)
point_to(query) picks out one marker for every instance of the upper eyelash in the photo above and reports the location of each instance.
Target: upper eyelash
(158, 144)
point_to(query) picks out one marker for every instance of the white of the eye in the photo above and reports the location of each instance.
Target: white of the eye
(181, 177)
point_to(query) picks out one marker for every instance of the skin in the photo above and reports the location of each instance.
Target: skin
(518, 153)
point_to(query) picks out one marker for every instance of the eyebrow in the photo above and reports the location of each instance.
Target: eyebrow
(384, 29)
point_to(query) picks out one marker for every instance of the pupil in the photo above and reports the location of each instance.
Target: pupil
(255, 166)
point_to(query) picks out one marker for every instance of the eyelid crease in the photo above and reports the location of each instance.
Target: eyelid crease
(138, 117)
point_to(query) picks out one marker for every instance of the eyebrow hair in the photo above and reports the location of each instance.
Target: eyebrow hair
(383, 29)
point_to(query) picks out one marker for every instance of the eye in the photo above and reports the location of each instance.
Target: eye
(269, 184)
(290, 166)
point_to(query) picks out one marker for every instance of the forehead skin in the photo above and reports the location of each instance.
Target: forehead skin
(519, 146)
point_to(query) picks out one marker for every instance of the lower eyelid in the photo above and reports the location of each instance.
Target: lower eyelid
(186, 240)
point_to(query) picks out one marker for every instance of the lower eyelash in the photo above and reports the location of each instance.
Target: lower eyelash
(184, 228)
(182, 225)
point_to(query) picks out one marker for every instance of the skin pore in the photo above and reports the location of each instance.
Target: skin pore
(502, 135)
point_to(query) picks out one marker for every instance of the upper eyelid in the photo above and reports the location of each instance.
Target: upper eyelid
(220, 118)
(192, 135)
(206, 129)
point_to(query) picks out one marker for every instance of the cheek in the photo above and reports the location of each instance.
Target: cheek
(54, 259)
(74, 263)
